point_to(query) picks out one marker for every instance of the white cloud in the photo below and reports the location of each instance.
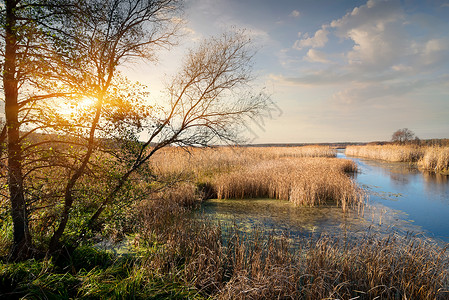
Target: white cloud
(295, 14)
(435, 45)
(380, 56)
(359, 93)
(377, 33)
(401, 68)
(319, 40)
(314, 55)
(373, 13)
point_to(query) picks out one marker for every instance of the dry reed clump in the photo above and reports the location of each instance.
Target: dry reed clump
(431, 158)
(299, 151)
(203, 162)
(163, 209)
(395, 153)
(435, 159)
(254, 266)
(310, 182)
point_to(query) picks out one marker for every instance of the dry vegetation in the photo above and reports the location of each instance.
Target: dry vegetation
(435, 159)
(432, 158)
(177, 256)
(303, 181)
(395, 153)
(303, 175)
(235, 265)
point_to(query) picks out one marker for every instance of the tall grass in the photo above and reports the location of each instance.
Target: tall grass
(431, 158)
(310, 182)
(303, 175)
(254, 266)
(435, 159)
(210, 161)
(395, 153)
(176, 256)
(193, 259)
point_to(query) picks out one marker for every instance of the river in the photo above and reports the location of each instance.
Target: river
(421, 198)
(401, 199)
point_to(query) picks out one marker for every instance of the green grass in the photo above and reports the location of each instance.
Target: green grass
(89, 274)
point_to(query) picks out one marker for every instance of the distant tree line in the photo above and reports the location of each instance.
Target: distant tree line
(407, 136)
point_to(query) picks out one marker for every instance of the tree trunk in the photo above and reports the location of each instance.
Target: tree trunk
(22, 240)
(55, 246)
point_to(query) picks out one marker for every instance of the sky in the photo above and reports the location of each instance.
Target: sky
(337, 71)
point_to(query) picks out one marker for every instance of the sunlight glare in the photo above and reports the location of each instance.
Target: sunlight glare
(81, 105)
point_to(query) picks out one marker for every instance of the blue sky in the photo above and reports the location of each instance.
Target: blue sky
(338, 70)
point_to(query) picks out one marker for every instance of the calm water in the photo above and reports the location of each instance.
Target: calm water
(402, 199)
(421, 198)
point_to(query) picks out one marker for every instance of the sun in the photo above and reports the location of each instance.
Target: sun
(80, 105)
(86, 103)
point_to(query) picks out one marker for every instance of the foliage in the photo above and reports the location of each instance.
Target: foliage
(402, 136)
(75, 124)
(119, 278)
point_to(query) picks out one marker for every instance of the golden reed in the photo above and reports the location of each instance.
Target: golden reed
(307, 175)
(431, 158)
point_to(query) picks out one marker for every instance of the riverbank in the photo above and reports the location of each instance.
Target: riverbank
(171, 255)
(429, 158)
(189, 259)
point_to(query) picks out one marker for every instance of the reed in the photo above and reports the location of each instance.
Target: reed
(209, 161)
(309, 182)
(435, 159)
(224, 263)
(395, 153)
(430, 158)
(307, 175)
(219, 262)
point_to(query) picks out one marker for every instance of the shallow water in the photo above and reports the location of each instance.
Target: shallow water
(402, 199)
(421, 197)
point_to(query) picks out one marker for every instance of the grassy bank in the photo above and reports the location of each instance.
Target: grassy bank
(170, 255)
(176, 257)
(431, 158)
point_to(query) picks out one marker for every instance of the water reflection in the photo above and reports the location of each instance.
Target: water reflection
(280, 217)
(402, 199)
(437, 184)
(422, 196)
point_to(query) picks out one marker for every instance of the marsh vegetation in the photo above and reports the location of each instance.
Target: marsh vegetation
(431, 158)
(164, 252)
(99, 180)
(307, 176)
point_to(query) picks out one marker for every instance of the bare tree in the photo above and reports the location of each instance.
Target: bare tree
(111, 32)
(52, 157)
(208, 100)
(57, 48)
(403, 136)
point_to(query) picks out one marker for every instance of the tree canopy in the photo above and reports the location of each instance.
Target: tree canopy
(403, 136)
(78, 133)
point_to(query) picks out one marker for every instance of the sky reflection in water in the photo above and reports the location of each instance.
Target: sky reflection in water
(402, 199)
(422, 196)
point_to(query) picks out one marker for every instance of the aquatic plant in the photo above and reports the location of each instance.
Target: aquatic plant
(395, 153)
(225, 263)
(308, 175)
(435, 159)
